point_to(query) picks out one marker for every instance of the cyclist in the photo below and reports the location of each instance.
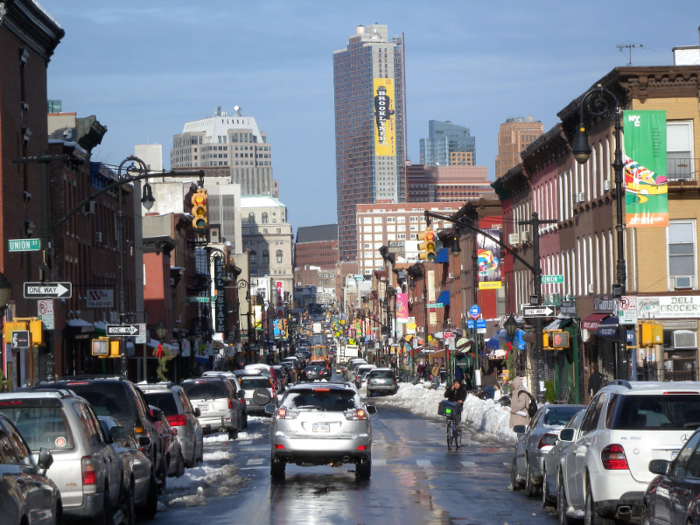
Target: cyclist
(457, 394)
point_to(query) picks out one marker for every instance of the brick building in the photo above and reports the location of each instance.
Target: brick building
(316, 246)
(458, 183)
(513, 135)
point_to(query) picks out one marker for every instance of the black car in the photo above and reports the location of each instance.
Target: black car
(315, 373)
(119, 398)
(674, 496)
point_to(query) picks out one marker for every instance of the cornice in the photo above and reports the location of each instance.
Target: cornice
(31, 26)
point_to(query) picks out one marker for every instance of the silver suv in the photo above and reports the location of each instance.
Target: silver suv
(85, 467)
(181, 415)
(321, 424)
(218, 405)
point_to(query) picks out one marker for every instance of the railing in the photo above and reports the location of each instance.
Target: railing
(679, 169)
(675, 370)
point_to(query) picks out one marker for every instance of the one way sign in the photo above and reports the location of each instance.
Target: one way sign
(122, 330)
(48, 290)
(545, 311)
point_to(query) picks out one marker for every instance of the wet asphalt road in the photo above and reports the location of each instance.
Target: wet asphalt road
(415, 480)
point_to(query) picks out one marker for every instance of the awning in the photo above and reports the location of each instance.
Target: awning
(78, 329)
(608, 327)
(591, 322)
(558, 324)
(80, 323)
(444, 296)
(100, 328)
(442, 256)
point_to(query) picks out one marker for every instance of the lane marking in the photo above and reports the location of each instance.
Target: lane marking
(245, 442)
(255, 461)
(253, 468)
(469, 464)
(424, 463)
(379, 462)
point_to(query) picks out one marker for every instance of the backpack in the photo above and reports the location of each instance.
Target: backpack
(531, 406)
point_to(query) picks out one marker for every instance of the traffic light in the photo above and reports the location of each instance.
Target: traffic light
(426, 248)
(200, 209)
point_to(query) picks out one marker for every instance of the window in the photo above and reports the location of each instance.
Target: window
(253, 257)
(251, 218)
(679, 149)
(266, 257)
(681, 248)
(391, 219)
(280, 256)
(265, 219)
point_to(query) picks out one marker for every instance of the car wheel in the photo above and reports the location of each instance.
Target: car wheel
(363, 469)
(591, 517)
(545, 489)
(277, 468)
(245, 420)
(128, 513)
(149, 509)
(514, 483)
(180, 466)
(233, 434)
(645, 516)
(106, 516)
(562, 504)
(530, 488)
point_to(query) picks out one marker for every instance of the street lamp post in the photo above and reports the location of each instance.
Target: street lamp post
(598, 103)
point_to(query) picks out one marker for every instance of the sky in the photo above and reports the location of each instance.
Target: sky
(144, 68)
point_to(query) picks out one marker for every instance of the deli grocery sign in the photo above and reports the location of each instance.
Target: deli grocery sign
(668, 307)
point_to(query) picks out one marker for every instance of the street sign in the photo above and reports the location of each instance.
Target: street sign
(20, 339)
(24, 245)
(99, 298)
(141, 339)
(552, 279)
(198, 299)
(544, 311)
(480, 324)
(48, 290)
(45, 313)
(122, 330)
(434, 305)
(568, 308)
(474, 311)
(627, 312)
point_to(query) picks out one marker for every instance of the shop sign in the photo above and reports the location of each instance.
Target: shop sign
(669, 307)
(604, 304)
(568, 308)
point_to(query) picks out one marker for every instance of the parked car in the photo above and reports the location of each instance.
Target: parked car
(321, 424)
(552, 461)
(181, 415)
(674, 495)
(359, 372)
(282, 375)
(350, 366)
(25, 491)
(135, 467)
(172, 451)
(627, 424)
(119, 398)
(232, 379)
(85, 467)
(219, 406)
(268, 371)
(258, 392)
(534, 443)
(382, 381)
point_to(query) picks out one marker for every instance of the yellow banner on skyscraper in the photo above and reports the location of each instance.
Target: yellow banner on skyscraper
(384, 121)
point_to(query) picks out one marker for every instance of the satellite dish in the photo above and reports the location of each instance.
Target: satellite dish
(236, 108)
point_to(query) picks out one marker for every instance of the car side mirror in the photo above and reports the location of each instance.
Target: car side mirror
(567, 434)
(519, 429)
(371, 409)
(45, 459)
(659, 466)
(271, 408)
(118, 434)
(240, 394)
(144, 442)
(197, 412)
(156, 413)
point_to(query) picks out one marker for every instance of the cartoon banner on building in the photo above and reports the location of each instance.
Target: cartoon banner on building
(385, 123)
(401, 308)
(645, 171)
(489, 254)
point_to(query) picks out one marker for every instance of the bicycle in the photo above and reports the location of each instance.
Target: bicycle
(454, 428)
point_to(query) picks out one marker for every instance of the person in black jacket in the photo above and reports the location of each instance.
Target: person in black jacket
(595, 382)
(457, 394)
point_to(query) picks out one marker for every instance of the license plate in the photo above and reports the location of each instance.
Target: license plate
(203, 408)
(381, 381)
(321, 427)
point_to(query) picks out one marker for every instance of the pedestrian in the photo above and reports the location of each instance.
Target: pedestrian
(435, 374)
(595, 382)
(520, 400)
(459, 375)
(489, 382)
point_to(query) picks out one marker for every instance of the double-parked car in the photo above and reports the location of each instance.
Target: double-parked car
(257, 389)
(219, 404)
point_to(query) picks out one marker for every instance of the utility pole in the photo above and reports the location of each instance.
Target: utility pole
(475, 286)
(538, 371)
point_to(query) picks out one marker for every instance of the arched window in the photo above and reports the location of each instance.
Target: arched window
(266, 257)
(280, 256)
(251, 218)
(253, 257)
(265, 220)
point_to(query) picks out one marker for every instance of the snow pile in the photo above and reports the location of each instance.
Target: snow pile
(486, 420)
(218, 455)
(216, 438)
(200, 483)
(245, 436)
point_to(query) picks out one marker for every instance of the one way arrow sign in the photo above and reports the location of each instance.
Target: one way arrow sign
(537, 311)
(48, 290)
(119, 330)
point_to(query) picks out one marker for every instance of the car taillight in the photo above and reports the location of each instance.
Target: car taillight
(88, 470)
(613, 458)
(279, 447)
(283, 413)
(178, 420)
(230, 403)
(362, 447)
(355, 414)
(548, 440)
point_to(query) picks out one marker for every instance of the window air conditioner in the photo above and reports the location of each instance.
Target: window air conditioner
(682, 282)
(449, 276)
(98, 236)
(513, 238)
(89, 209)
(607, 185)
(525, 236)
(580, 198)
(685, 339)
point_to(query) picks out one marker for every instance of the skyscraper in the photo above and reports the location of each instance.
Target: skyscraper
(513, 136)
(447, 145)
(227, 140)
(368, 79)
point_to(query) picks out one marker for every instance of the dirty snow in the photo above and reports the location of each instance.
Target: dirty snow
(200, 483)
(222, 437)
(485, 420)
(218, 455)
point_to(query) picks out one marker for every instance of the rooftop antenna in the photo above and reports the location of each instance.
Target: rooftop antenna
(237, 109)
(628, 47)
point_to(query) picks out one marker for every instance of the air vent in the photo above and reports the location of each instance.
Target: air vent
(513, 238)
(685, 339)
(580, 198)
(607, 185)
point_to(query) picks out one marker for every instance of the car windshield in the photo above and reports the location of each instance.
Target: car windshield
(560, 416)
(321, 399)
(655, 412)
(42, 427)
(205, 389)
(106, 397)
(251, 383)
(163, 400)
(386, 374)
(312, 369)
